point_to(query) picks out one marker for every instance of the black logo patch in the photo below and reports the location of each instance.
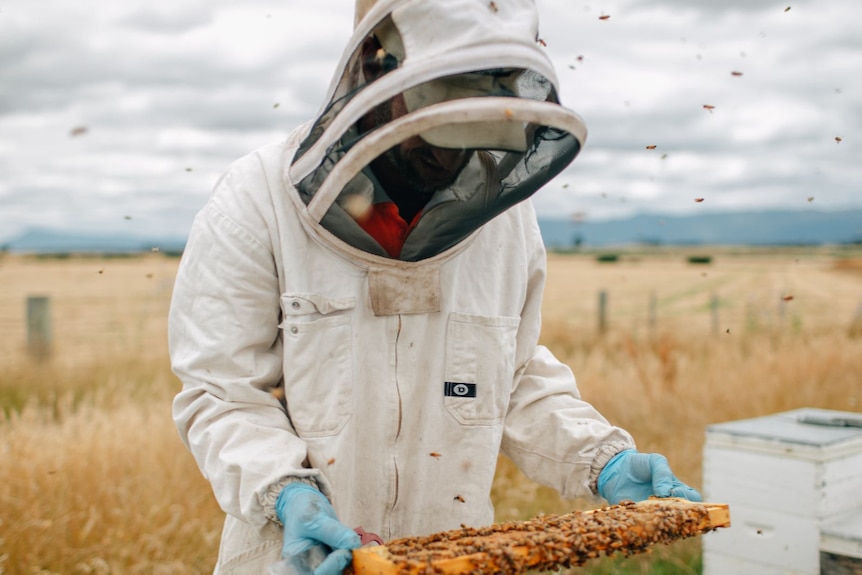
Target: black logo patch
(455, 389)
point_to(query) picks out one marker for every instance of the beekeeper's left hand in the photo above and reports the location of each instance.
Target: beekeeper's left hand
(635, 476)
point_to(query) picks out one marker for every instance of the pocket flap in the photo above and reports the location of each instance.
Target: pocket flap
(308, 303)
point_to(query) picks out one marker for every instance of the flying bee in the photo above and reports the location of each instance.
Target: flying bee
(787, 9)
(709, 107)
(459, 498)
(330, 461)
(604, 17)
(698, 200)
(493, 6)
(542, 43)
(736, 73)
(837, 139)
(651, 147)
(434, 454)
(788, 298)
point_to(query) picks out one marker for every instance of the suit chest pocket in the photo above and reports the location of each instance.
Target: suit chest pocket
(480, 366)
(318, 362)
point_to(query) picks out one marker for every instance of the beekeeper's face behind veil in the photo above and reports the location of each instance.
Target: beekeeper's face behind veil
(449, 109)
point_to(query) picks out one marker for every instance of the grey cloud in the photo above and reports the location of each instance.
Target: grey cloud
(176, 19)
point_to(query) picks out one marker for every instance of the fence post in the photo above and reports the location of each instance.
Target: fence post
(39, 326)
(856, 324)
(603, 311)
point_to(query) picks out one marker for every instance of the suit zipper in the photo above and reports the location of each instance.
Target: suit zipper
(398, 428)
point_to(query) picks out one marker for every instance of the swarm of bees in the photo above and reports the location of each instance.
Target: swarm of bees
(551, 541)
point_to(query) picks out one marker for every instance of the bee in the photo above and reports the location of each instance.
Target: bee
(78, 131)
(664, 156)
(788, 298)
(188, 169)
(580, 58)
(837, 139)
(604, 17)
(787, 9)
(434, 454)
(493, 6)
(698, 200)
(651, 147)
(542, 43)
(330, 461)
(276, 105)
(101, 272)
(810, 199)
(459, 498)
(736, 73)
(709, 107)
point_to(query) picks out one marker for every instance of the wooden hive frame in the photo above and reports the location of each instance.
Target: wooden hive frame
(546, 542)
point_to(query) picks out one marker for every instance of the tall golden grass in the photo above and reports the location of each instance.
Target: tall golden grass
(94, 480)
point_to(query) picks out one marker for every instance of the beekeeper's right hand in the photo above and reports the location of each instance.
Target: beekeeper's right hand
(314, 540)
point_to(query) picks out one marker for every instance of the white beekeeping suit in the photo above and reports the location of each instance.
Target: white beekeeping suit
(389, 378)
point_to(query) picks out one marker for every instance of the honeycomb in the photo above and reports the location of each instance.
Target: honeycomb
(545, 542)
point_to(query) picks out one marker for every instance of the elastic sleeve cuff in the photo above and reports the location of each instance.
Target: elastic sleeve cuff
(605, 454)
(267, 501)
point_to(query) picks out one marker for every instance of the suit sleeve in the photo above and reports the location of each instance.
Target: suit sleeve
(226, 349)
(555, 437)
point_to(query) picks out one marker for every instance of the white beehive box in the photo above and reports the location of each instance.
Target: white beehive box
(784, 478)
(841, 545)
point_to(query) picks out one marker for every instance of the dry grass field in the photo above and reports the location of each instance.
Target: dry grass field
(94, 480)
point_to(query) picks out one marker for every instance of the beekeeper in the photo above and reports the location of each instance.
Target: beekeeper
(356, 315)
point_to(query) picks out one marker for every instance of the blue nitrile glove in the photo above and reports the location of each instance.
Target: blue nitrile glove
(637, 476)
(314, 540)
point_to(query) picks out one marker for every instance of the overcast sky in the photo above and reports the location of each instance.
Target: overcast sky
(122, 115)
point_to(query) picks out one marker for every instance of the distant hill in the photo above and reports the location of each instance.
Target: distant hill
(43, 240)
(737, 228)
(762, 228)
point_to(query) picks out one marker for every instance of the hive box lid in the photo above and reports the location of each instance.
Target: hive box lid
(843, 536)
(805, 433)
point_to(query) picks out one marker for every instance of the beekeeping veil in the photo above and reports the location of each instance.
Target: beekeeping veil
(469, 75)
